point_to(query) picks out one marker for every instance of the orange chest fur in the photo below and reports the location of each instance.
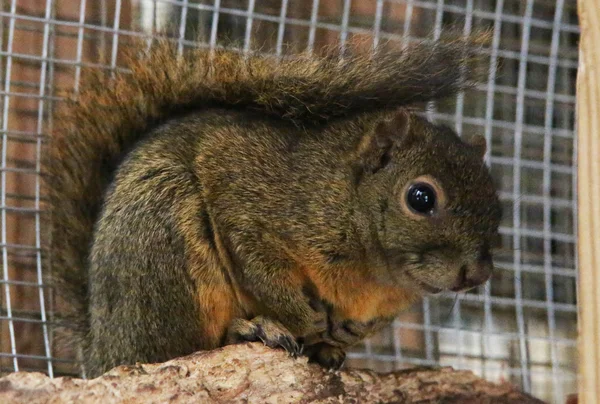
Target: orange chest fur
(358, 296)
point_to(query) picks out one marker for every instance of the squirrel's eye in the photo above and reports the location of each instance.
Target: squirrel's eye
(421, 198)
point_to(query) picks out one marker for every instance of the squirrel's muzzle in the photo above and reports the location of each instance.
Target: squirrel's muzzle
(474, 273)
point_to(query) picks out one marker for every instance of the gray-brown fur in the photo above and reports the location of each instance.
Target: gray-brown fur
(212, 187)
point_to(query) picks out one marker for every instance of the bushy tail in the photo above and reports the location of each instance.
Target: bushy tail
(112, 113)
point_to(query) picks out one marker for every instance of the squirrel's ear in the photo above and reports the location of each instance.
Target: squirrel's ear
(375, 149)
(479, 143)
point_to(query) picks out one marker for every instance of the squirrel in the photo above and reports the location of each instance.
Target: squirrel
(210, 197)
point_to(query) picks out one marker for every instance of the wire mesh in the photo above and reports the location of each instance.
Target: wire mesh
(521, 327)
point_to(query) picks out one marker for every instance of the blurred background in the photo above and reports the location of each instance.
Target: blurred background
(520, 328)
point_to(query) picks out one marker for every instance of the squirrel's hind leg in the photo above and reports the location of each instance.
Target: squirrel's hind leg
(271, 332)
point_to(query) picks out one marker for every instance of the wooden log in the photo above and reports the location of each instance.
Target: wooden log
(253, 373)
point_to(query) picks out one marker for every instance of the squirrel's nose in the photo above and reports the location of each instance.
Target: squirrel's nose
(474, 273)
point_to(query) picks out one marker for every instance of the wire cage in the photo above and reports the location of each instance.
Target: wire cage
(521, 327)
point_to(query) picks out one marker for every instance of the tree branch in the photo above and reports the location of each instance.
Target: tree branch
(253, 373)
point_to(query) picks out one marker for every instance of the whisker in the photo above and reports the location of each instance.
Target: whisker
(519, 198)
(453, 306)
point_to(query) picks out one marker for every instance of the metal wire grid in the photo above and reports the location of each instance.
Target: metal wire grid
(521, 327)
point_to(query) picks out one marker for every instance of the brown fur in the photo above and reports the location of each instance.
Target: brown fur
(203, 191)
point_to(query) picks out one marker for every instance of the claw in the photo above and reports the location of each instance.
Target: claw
(270, 332)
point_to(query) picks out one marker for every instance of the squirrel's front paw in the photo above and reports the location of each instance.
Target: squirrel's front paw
(328, 356)
(345, 332)
(348, 332)
(271, 332)
(319, 323)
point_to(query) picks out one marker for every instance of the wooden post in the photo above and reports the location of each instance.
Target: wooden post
(588, 121)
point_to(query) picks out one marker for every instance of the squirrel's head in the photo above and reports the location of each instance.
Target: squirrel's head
(430, 197)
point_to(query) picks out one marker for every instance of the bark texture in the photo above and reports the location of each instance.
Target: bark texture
(253, 373)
